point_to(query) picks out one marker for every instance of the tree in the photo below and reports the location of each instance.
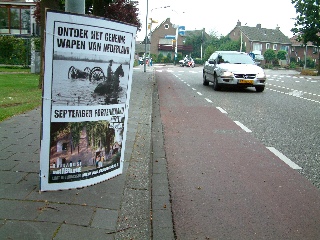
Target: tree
(282, 55)
(230, 45)
(270, 56)
(307, 25)
(196, 40)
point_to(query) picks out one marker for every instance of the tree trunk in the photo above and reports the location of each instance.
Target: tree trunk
(45, 4)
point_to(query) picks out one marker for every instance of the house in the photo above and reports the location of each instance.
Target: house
(17, 18)
(298, 50)
(258, 39)
(163, 40)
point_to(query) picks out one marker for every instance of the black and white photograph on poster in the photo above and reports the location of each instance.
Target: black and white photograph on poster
(82, 150)
(89, 83)
(86, 94)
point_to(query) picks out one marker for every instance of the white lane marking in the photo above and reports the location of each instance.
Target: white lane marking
(222, 110)
(193, 89)
(242, 126)
(208, 100)
(199, 93)
(284, 158)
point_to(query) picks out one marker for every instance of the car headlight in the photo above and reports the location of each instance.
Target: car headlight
(226, 74)
(261, 75)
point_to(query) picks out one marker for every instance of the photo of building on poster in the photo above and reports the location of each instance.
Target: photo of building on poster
(82, 150)
(87, 84)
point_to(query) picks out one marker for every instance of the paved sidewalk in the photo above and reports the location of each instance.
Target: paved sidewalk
(134, 205)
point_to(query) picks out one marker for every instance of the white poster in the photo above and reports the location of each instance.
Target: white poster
(87, 84)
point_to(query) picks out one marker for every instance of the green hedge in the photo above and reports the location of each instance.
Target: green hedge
(17, 51)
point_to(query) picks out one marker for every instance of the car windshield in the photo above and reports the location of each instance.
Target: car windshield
(235, 58)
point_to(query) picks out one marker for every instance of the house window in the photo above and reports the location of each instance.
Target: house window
(64, 146)
(4, 22)
(15, 20)
(257, 47)
(274, 46)
(166, 26)
(267, 45)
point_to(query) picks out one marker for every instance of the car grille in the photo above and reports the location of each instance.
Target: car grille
(245, 76)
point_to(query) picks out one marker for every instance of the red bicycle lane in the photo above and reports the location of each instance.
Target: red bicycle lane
(224, 183)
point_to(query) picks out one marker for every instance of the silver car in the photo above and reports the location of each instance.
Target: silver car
(234, 69)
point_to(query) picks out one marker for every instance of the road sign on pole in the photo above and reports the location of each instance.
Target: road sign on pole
(181, 30)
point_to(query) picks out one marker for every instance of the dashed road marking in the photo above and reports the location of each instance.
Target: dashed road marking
(222, 110)
(199, 93)
(242, 126)
(208, 100)
(284, 158)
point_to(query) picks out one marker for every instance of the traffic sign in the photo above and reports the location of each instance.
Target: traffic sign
(181, 30)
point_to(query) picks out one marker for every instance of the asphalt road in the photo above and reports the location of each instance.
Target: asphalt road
(225, 182)
(285, 116)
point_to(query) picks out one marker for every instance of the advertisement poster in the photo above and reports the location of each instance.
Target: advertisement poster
(86, 93)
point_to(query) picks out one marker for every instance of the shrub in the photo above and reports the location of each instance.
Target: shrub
(16, 51)
(292, 65)
(282, 55)
(308, 72)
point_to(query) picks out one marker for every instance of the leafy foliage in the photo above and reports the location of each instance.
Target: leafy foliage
(196, 40)
(220, 44)
(270, 55)
(282, 55)
(120, 10)
(124, 11)
(13, 50)
(307, 25)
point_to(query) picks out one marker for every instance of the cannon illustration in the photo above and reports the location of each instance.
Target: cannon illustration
(94, 74)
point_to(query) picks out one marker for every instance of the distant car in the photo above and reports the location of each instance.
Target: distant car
(231, 68)
(140, 60)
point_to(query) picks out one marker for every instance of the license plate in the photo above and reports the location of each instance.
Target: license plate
(246, 81)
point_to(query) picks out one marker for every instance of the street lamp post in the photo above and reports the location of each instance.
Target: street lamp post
(176, 47)
(145, 39)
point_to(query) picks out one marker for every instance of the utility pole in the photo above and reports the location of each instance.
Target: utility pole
(75, 6)
(146, 38)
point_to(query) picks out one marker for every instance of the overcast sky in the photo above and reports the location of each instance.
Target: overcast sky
(219, 16)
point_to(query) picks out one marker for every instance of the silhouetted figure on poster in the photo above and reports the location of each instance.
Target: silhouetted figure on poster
(111, 89)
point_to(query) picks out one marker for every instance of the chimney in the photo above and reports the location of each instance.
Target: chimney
(238, 24)
(278, 28)
(259, 25)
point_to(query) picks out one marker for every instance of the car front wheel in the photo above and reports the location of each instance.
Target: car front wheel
(216, 85)
(205, 81)
(259, 88)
